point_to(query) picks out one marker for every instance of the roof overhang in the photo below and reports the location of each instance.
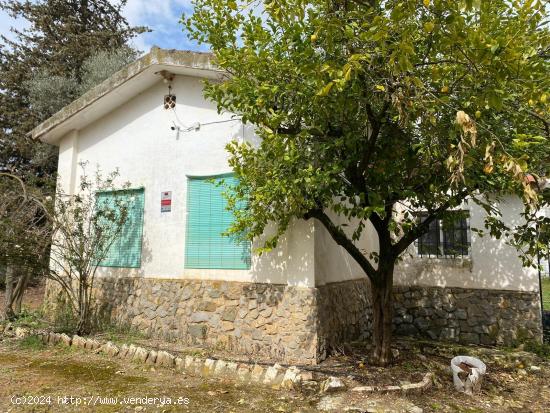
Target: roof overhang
(122, 86)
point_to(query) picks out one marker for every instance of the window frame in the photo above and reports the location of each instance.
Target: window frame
(441, 239)
(222, 267)
(140, 189)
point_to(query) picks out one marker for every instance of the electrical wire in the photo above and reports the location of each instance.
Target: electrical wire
(197, 125)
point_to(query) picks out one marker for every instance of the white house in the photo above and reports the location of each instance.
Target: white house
(178, 278)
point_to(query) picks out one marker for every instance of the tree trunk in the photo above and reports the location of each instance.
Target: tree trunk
(19, 291)
(8, 313)
(83, 324)
(382, 315)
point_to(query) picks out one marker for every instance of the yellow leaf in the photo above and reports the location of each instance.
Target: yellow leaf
(313, 38)
(429, 27)
(478, 114)
(488, 169)
(427, 3)
(543, 98)
(380, 88)
(326, 89)
(444, 89)
(347, 75)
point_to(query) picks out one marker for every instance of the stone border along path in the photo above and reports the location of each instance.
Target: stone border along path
(274, 376)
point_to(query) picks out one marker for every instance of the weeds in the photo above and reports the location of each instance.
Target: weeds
(31, 343)
(31, 319)
(121, 332)
(541, 350)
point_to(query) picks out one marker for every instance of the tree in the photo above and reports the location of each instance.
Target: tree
(84, 227)
(48, 93)
(68, 47)
(24, 227)
(61, 36)
(380, 112)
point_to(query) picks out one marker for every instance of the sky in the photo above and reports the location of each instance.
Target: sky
(162, 16)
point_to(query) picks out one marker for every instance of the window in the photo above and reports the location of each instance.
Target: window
(207, 219)
(446, 238)
(125, 251)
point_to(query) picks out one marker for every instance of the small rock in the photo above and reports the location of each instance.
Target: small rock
(180, 364)
(220, 368)
(165, 359)
(152, 358)
(257, 373)
(534, 368)
(415, 409)
(110, 349)
(332, 384)
(208, 367)
(92, 344)
(292, 378)
(188, 362)
(243, 372)
(306, 375)
(140, 354)
(273, 375)
(21, 332)
(65, 339)
(131, 351)
(77, 341)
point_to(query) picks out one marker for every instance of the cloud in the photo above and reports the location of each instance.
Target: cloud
(162, 17)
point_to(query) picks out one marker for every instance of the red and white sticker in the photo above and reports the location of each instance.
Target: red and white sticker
(166, 201)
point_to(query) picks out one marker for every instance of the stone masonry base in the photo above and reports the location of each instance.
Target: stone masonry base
(469, 316)
(303, 325)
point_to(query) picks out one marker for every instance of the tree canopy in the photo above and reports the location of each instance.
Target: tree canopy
(61, 36)
(378, 111)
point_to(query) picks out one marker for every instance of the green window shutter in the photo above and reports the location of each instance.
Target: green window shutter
(207, 219)
(125, 251)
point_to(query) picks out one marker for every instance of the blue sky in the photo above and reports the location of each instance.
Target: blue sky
(162, 16)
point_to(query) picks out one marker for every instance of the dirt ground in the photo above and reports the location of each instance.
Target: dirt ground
(32, 372)
(516, 381)
(50, 376)
(32, 299)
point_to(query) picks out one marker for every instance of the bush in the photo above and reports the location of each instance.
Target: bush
(541, 350)
(32, 343)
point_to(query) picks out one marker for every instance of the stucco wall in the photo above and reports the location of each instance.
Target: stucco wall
(137, 139)
(492, 265)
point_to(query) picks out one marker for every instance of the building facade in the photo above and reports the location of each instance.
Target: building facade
(175, 276)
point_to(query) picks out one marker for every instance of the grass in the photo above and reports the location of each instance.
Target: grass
(31, 343)
(546, 293)
(30, 318)
(119, 333)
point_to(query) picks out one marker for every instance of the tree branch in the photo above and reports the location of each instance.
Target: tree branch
(422, 227)
(343, 240)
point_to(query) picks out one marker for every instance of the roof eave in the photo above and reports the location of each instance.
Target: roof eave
(196, 63)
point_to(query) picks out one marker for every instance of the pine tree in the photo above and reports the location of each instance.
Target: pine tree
(62, 35)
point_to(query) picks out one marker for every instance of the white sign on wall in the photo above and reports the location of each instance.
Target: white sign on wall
(166, 201)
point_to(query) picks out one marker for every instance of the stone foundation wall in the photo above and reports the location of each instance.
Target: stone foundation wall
(471, 316)
(302, 325)
(344, 314)
(492, 317)
(273, 322)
